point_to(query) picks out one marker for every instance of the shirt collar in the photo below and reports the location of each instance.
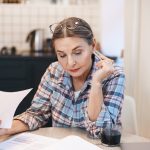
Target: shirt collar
(65, 79)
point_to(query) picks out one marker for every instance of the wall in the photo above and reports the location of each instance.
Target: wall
(17, 20)
(112, 26)
(137, 52)
(144, 69)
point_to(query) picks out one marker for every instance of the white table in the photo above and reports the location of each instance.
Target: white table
(63, 132)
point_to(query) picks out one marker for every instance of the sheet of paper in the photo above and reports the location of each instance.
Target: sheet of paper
(27, 141)
(9, 101)
(73, 142)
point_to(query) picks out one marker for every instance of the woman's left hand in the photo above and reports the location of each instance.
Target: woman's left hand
(106, 68)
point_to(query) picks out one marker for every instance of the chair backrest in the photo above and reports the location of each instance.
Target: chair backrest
(129, 117)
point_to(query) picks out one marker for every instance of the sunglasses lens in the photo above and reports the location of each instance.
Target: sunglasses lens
(56, 27)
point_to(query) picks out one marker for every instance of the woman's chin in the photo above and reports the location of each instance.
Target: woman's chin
(75, 74)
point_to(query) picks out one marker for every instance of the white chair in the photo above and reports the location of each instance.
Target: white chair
(129, 117)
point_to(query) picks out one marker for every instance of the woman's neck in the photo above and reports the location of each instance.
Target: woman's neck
(79, 81)
(77, 84)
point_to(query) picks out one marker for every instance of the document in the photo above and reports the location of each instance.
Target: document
(29, 141)
(73, 142)
(9, 101)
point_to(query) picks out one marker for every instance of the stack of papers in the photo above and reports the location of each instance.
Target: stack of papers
(29, 141)
(73, 142)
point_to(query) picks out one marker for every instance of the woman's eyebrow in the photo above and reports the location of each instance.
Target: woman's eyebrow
(76, 48)
(60, 51)
(72, 49)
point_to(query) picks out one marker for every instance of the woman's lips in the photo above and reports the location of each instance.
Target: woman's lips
(74, 70)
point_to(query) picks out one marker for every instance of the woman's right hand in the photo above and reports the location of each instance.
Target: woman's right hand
(3, 131)
(17, 127)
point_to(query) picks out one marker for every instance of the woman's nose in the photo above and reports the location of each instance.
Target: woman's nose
(70, 62)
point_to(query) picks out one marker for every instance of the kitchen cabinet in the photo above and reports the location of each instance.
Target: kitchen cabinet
(23, 72)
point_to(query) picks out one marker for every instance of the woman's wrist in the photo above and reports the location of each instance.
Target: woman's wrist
(17, 127)
(95, 100)
(96, 83)
(97, 78)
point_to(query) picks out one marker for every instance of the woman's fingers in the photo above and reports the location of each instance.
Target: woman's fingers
(106, 69)
(3, 131)
(102, 57)
(105, 63)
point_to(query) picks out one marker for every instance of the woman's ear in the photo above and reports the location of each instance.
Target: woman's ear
(97, 45)
(94, 44)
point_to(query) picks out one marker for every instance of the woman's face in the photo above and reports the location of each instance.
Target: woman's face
(74, 54)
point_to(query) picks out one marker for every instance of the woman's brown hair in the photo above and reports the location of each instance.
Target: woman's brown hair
(72, 27)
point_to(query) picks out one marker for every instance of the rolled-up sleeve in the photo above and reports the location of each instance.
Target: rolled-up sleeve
(40, 110)
(113, 93)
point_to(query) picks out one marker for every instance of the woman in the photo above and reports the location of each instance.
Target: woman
(79, 90)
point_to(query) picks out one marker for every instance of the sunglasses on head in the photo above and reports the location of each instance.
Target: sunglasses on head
(69, 25)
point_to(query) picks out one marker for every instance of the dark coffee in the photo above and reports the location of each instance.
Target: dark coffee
(110, 137)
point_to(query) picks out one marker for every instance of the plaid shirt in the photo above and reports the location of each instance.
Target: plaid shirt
(55, 98)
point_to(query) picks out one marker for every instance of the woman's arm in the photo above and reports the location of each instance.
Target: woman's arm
(38, 114)
(95, 100)
(106, 68)
(113, 98)
(17, 127)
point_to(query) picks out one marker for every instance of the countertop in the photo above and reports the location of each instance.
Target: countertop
(30, 56)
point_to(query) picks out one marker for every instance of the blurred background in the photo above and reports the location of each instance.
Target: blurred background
(121, 29)
(18, 20)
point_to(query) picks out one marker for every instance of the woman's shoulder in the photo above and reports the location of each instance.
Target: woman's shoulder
(56, 67)
(55, 70)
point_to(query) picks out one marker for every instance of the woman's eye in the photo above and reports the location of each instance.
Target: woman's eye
(61, 55)
(78, 53)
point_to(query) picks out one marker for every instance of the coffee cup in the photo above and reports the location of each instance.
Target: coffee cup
(111, 135)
